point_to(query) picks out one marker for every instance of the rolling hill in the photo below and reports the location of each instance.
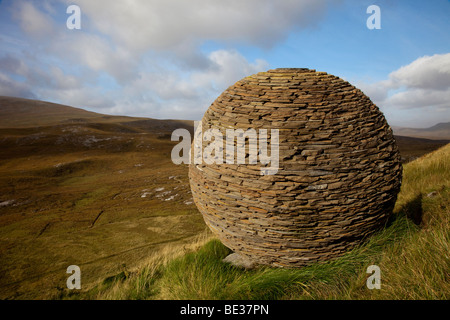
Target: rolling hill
(411, 252)
(87, 189)
(26, 113)
(93, 190)
(22, 113)
(440, 131)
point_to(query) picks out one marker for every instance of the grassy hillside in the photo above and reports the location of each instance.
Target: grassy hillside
(413, 148)
(95, 193)
(412, 253)
(101, 192)
(26, 113)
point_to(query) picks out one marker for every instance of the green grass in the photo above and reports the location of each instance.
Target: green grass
(412, 252)
(202, 274)
(83, 204)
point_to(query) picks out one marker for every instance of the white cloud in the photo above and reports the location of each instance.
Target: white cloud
(12, 88)
(228, 66)
(174, 94)
(12, 65)
(378, 91)
(93, 52)
(37, 77)
(422, 84)
(147, 50)
(85, 97)
(163, 24)
(33, 21)
(418, 98)
(428, 72)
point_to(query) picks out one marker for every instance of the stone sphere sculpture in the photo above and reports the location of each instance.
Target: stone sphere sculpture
(338, 175)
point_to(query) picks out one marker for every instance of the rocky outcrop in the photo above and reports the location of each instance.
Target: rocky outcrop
(339, 169)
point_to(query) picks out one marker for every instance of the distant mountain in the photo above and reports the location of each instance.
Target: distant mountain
(19, 112)
(26, 113)
(440, 131)
(440, 126)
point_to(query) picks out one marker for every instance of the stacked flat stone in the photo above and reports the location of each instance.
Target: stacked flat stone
(339, 169)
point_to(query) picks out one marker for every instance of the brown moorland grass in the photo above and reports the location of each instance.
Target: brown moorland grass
(412, 253)
(101, 192)
(101, 196)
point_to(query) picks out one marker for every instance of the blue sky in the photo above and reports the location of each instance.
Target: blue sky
(171, 59)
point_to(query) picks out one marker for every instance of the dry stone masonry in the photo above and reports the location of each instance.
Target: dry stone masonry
(339, 169)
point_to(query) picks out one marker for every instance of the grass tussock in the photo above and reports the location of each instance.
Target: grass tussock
(412, 253)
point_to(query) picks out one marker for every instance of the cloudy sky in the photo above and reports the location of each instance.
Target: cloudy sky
(171, 58)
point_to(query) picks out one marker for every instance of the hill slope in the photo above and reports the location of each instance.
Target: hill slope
(19, 112)
(96, 191)
(440, 131)
(26, 113)
(411, 252)
(413, 148)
